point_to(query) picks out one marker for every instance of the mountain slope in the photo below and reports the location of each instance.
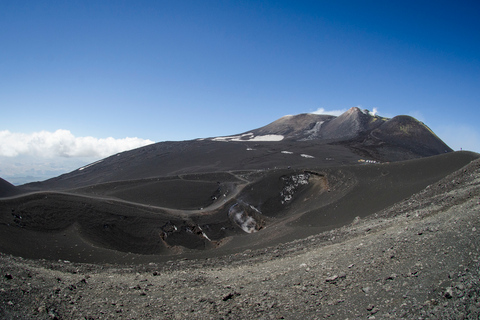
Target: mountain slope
(7, 189)
(351, 124)
(299, 127)
(291, 141)
(410, 133)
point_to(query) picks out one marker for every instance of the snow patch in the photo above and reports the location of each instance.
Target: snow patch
(89, 165)
(287, 152)
(306, 156)
(241, 137)
(291, 185)
(315, 131)
(268, 137)
(204, 234)
(250, 137)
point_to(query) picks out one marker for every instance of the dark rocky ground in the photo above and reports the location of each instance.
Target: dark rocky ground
(196, 215)
(415, 259)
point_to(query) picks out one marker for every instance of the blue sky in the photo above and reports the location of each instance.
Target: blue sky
(105, 71)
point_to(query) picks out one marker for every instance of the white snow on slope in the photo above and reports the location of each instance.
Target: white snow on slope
(250, 137)
(89, 165)
(241, 137)
(268, 137)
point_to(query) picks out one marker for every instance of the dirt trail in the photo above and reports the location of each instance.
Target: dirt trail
(183, 213)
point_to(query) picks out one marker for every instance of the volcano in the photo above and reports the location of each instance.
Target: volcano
(297, 176)
(354, 216)
(299, 141)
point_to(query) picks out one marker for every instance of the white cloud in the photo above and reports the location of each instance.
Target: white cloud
(329, 112)
(62, 143)
(42, 155)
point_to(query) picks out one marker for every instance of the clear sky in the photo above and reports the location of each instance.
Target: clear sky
(81, 79)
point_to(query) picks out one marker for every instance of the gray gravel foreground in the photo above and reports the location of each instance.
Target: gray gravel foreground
(416, 260)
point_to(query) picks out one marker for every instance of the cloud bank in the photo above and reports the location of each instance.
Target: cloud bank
(62, 143)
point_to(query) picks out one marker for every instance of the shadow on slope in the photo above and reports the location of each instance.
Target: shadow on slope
(7, 189)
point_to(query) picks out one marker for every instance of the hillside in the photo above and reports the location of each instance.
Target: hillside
(300, 141)
(297, 176)
(7, 189)
(415, 259)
